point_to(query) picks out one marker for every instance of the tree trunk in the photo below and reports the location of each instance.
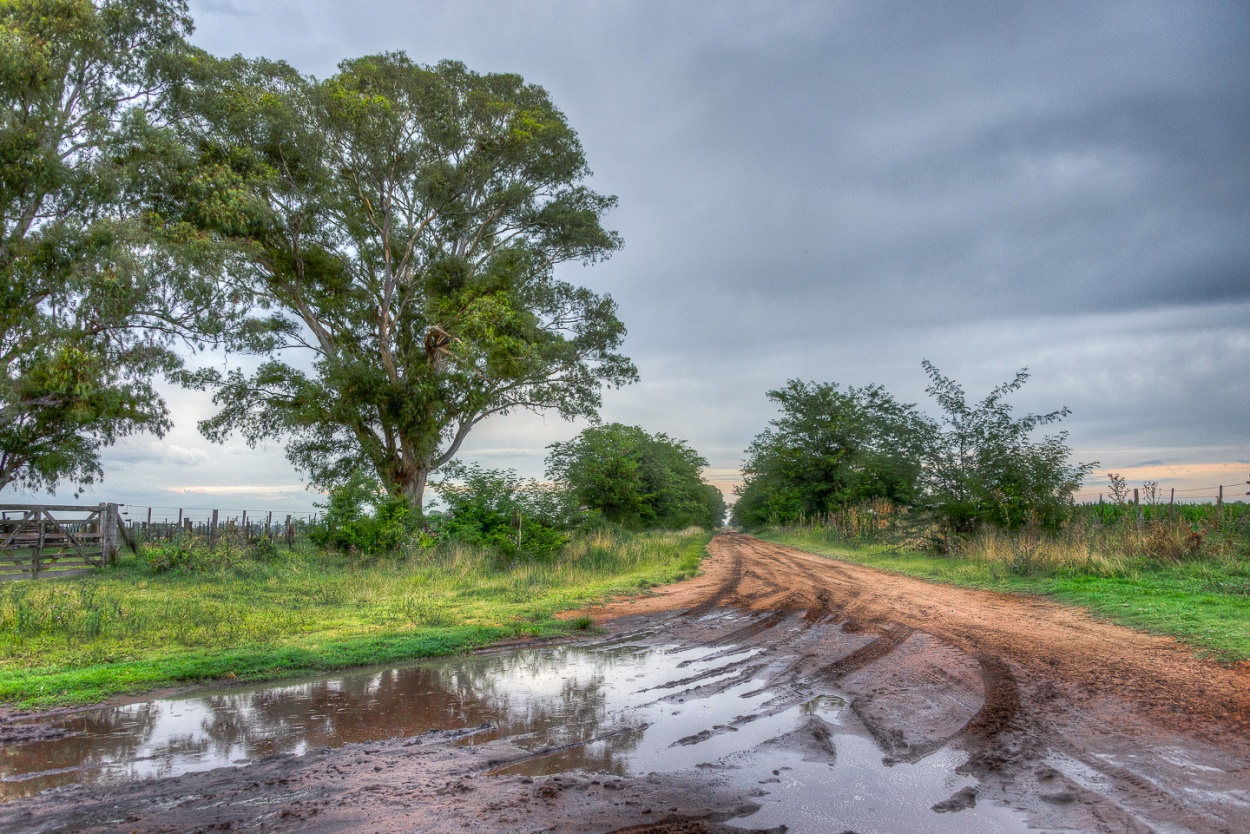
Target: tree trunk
(411, 485)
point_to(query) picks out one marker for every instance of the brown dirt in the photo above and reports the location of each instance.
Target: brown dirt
(1077, 724)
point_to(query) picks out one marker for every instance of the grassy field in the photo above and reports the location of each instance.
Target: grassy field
(178, 615)
(1202, 600)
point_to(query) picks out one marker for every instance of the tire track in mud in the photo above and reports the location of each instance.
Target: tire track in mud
(727, 587)
(865, 655)
(984, 735)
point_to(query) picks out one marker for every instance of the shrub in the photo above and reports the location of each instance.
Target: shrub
(360, 516)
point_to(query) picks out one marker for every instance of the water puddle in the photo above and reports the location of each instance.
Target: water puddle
(618, 708)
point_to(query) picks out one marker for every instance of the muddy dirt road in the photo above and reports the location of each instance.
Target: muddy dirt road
(777, 691)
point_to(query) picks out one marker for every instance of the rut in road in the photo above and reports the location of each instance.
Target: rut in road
(1063, 710)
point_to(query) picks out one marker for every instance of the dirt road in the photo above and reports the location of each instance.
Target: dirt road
(1055, 721)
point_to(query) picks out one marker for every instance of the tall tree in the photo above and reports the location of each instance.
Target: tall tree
(831, 448)
(406, 221)
(985, 465)
(636, 479)
(95, 286)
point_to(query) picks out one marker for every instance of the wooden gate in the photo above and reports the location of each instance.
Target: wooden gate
(48, 540)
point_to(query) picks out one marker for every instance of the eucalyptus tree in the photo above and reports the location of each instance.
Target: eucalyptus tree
(406, 222)
(96, 286)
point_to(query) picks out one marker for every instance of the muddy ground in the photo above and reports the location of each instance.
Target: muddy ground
(1059, 723)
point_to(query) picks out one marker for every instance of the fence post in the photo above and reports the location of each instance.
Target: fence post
(269, 524)
(147, 533)
(1219, 499)
(290, 533)
(111, 521)
(212, 531)
(105, 538)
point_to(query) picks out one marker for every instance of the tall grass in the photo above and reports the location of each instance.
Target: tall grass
(178, 599)
(1100, 540)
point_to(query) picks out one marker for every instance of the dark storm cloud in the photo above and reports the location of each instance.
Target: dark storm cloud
(833, 191)
(980, 159)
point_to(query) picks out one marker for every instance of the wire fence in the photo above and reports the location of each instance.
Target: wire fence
(1217, 493)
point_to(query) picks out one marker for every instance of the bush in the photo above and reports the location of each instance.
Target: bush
(500, 510)
(984, 466)
(360, 516)
(637, 480)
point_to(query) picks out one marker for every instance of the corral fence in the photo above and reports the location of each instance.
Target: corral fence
(52, 540)
(139, 524)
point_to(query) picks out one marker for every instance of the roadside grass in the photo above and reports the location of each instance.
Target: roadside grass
(1203, 601)
(177, 614)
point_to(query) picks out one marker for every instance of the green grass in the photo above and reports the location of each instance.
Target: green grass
(1203, 602)
(231, 616)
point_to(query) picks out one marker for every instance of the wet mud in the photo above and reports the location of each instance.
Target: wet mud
(778, 691)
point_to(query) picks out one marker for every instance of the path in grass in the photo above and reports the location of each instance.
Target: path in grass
(1203, 604)
(127, 629)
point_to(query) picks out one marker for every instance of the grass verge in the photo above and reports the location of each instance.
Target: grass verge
(128, 628)
(1204, 603)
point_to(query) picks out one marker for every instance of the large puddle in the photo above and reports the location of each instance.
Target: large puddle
(623, 709)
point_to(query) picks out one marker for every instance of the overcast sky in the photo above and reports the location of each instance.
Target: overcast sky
(834, 191)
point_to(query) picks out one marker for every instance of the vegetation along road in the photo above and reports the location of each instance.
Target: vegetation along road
(1055, 720)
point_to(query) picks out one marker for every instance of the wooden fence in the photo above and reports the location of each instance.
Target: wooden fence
(47, 540)
(141, 524)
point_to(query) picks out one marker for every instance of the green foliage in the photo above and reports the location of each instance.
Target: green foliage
(127, 628)
(96, 285)
(635, 479)
(831, 449)
(404, 222)
(985, 466)
(361, 516)
(501, 510)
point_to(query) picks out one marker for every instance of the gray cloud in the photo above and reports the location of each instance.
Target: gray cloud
(832, 191)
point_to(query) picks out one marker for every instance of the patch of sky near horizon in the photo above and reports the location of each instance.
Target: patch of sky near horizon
(833, 191)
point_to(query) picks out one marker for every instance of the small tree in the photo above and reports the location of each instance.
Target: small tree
(985, 466)
(636, 479)
(1118, 487)
(831, 448)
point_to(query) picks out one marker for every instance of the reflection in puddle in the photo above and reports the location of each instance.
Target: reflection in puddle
(623, 708)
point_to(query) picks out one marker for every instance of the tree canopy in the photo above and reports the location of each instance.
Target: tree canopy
(636, 479)
(985, 466)
(95, 285)
(831, 448)
(404, 222)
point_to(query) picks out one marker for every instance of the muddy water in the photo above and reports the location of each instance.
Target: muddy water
(615, 708)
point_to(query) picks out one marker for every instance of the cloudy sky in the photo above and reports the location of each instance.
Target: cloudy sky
(834, 191)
